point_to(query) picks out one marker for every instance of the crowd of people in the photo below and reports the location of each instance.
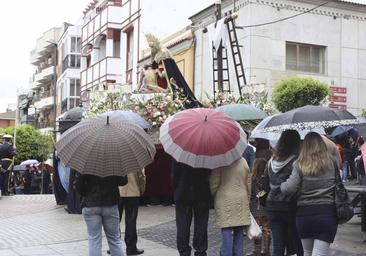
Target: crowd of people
(287, 189)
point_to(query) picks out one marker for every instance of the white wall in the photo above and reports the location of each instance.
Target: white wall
(264, 52)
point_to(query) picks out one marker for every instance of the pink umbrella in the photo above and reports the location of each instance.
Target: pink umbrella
(203, 138)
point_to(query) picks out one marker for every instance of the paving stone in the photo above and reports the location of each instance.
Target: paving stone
(35, 225)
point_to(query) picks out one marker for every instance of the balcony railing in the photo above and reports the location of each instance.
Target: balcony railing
(45, 74)
(108, 68)
(44, 103)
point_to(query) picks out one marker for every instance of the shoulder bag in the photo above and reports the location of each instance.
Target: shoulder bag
(342, 202)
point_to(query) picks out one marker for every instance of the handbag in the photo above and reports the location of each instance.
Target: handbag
(343, 204)
(254, 230)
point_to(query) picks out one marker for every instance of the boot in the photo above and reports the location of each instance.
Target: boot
(257, 248)
(266, 246)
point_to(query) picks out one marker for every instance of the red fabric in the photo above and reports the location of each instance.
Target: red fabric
(341, 151)
(194, 130)
(158, 181)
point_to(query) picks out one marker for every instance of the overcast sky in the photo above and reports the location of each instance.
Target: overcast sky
(23, 21)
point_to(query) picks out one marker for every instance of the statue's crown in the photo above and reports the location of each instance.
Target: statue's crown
(152, 40)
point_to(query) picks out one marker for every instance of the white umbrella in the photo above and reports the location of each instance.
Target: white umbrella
(258, 131)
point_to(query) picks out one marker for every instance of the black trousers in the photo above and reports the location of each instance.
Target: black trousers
(131, 206)
(184, 211)
(4, 182)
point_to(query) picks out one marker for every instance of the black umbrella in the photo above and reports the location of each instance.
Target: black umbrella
(310, 117)
(71, 118)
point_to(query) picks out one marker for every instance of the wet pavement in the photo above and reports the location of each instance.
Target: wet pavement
(35, 225)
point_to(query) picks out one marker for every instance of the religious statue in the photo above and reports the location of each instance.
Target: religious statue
(149, 80)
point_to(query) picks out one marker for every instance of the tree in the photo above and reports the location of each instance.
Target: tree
(363, 112)
(297, 92)
(30, 143)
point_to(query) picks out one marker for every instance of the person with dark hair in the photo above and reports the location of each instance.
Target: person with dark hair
(192, 199)
(262, 244)
(263, 149)
(249, 153)
(281, 208)
(7, 152)
(100, 209)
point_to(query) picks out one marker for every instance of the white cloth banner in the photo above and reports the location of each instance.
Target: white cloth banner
(217, 34)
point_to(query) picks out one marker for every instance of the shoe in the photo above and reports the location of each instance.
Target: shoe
(135, 252)
(108, 252)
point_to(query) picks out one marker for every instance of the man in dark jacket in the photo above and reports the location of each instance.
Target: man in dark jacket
(192, 197)
(100, 208)
(7, 152)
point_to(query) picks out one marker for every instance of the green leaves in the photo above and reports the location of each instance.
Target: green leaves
(296, 92)
(30, 143)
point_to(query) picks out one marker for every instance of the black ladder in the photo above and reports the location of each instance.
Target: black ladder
(235, 50)
(220, 85)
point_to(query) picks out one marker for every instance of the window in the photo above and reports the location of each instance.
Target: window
(75, 44)
(74, 87)
(75, 61)
(305, 58)
(130, 49)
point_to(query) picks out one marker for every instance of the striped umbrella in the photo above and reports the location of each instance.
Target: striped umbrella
(203, 138)
(129, 116)
(104, 147)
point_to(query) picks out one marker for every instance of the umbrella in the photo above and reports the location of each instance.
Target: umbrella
(259, 131)
(129, 116)
(20, 167)
(29, 162)
(309, 117)
(240, 112)
(203, 138)
(70, 118)
(340, 130)
(103, 147)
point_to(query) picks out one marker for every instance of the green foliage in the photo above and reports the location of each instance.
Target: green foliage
(297, 92)
(363, 112)
(30, 143)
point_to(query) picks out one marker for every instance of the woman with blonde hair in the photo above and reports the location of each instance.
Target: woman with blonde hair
(313, 180)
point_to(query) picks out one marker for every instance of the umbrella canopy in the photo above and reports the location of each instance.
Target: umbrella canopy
(29, 162)
(129, 116)
(310, 117)
(104, 147)
(203, 138)
(259, 131)
(340, 130)
(241, 112)
(70, 118)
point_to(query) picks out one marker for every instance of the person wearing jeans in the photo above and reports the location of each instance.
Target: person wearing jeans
(192, 199)
(100, 209)
(232, 241)
(231, 195)
(95, 218)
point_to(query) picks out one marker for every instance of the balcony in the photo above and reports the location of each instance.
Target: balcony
(44, 103)
(27, 119)
(111, 14)
(108, 68)
(45, 74)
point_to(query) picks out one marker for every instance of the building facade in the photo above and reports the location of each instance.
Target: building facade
(326, 42)
(181, 46)
(68, 70)
(109, 44)
(43, 81)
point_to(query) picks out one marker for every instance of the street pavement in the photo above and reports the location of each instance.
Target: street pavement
(35, 225)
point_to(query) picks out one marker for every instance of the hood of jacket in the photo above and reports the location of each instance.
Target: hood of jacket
(277, 165)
